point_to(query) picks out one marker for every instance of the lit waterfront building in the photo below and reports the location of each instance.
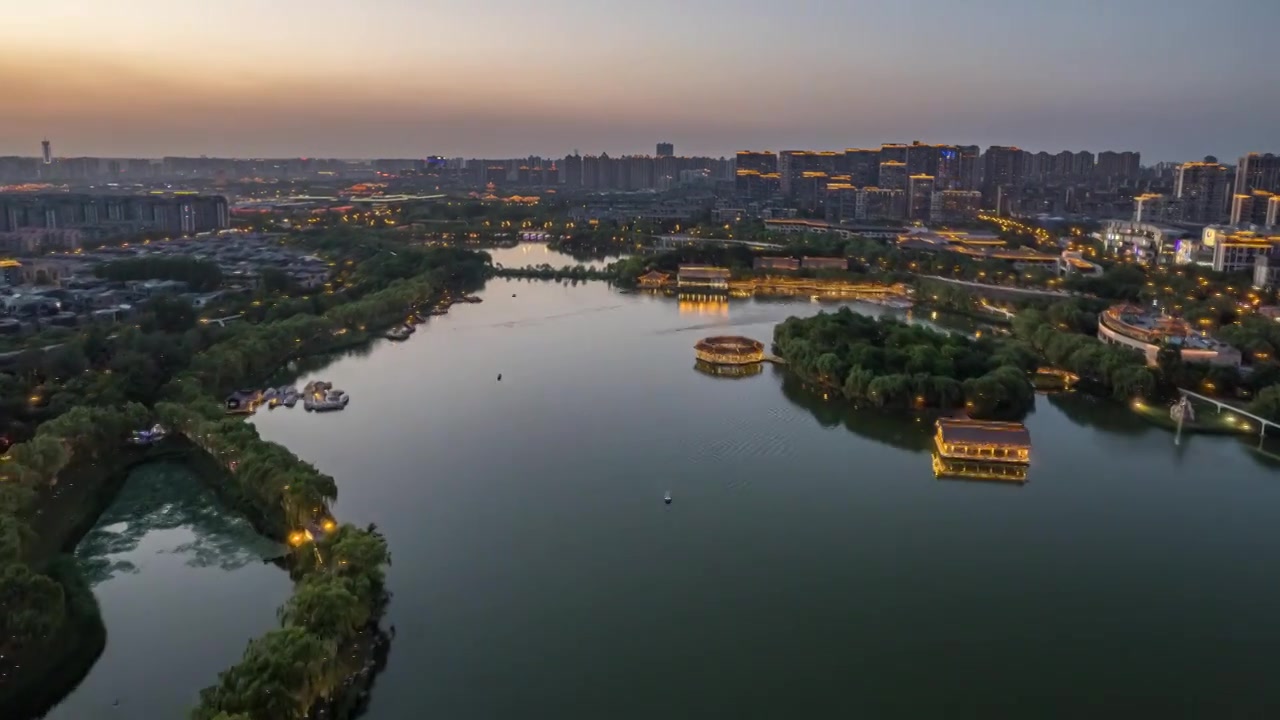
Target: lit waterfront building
(1147, 333)
(824, 263)
(703, 276)
(963, 439)
(729, 350)
(653, 279)
(776, 263)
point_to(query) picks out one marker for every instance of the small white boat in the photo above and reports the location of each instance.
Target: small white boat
(667, 498)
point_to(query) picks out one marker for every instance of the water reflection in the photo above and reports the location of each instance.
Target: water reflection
(526, 254)
(1101, 413)
(182, 586)
(976, 470)
(900, 430)
(728, 371)
(704, 304)
(166, 496)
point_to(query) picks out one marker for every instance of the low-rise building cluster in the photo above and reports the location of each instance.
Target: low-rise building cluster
(66, 290)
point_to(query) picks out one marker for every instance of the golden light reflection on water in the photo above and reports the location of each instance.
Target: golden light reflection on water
(705, 305)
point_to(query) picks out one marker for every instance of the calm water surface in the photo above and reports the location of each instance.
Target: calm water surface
(526, 254)
(182, 587)
(810, 566)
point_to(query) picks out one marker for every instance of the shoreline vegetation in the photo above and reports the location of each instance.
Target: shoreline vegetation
(887, 363)
(322, 660)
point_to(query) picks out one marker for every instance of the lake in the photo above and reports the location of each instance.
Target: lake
(810, 564)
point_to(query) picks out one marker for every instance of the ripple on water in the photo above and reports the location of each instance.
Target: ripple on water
(747, 439)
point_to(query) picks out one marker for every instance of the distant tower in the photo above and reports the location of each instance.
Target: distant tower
(666, 149)
(46, 152)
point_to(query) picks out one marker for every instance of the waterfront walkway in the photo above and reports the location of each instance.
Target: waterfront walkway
(670, 241)
(1002, 288)
(1262, 422)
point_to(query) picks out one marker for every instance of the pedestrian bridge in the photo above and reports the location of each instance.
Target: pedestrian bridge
(1263, 423)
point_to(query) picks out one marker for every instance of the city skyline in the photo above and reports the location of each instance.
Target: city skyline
(396, 79)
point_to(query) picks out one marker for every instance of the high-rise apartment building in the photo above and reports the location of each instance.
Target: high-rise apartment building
(893, 175)
(1153, 208)
(940, 161)
(1002, 168)
(756, 174)
(1258, 172)
(878, 204)
(969, 167)
(1082, 165)
(571, 170)
(919, 197)
(762, 161)
(955, 205)
(1251, 208)
(46, 152)
(863, 166)
(893, 152)
(793, 164)
(666, 149)
(1202, 191)
(1114, 168)
(1040, 166)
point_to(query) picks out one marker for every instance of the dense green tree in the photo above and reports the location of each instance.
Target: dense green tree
(325, 606)
(1267, 403)
(168, 314)
(279, 676)
(32, 607)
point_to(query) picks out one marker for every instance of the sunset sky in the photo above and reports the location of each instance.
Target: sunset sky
(499, 78)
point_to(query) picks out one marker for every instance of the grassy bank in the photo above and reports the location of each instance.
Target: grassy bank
(1207, 422)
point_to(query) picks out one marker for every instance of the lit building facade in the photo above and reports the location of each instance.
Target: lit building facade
(1201, 189)
(1002, 169)
(1236, 250)
(1133, 327)
(919, 197)
(863, 166)
(876, 204)
(955, 205)
(1256, 171)
(893, 175)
